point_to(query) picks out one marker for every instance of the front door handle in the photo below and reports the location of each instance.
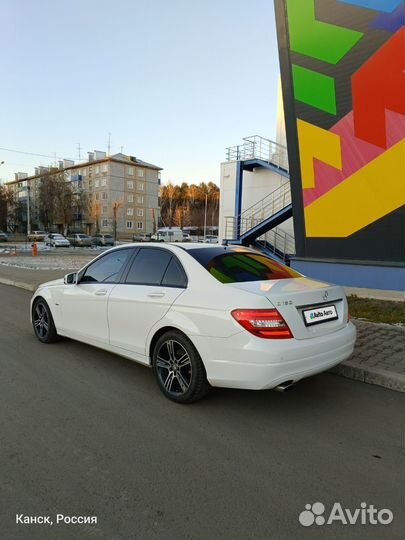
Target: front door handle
(156, 295)
(101, 292)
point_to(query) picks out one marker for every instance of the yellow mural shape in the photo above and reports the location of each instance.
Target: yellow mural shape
(315, 142)
(369, 194)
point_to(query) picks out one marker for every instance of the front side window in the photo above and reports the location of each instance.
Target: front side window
(108, 269)
(149, 267)
(238, 265)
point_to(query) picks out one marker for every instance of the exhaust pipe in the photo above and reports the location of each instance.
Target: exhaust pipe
(285, 386)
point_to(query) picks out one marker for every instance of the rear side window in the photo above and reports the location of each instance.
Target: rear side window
(174, 275)
(236, 266)
(149, 267)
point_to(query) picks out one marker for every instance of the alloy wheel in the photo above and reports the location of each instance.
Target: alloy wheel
(174, 368)
(41, 320)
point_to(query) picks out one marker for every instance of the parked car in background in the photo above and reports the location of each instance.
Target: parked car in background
(200, 316)
(56, 240)
(141, 237)
(211, 239)
(37, 236)
(79, 239)
(103, 240)
(186, 237)
(168, 234)
(3, 237)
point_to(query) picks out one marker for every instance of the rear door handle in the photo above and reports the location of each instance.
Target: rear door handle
(101, 292)
(156, 295)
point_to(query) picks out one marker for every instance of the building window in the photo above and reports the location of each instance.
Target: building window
(97, 196)
(130, 198)
(97, 170)
(139, 199)
(104, 168)
(105, 195)
(104, 181)
(105, 208)
(130, 185)
(139, 212)
(139, 225)
(130, 171)
(130, 224)
(140, 186)
(130, 211)
(96, 183)
(141, 173)
(104, 223)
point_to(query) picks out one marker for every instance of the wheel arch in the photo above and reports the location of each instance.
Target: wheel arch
(160, 333)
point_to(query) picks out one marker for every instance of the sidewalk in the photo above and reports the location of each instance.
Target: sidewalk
(378, 357)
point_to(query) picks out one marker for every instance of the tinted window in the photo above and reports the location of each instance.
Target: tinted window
(174, 275)
(149, 267)
(233, 265)
(107, 269)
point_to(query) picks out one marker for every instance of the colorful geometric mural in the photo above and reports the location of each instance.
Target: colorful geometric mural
(343, 76)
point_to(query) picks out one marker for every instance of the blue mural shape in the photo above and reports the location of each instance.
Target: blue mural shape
(390, 21)
(378, 5)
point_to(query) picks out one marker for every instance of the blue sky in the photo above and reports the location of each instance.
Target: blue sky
(175, 82)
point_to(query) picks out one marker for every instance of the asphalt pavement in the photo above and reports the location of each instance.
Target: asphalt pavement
(87, 433)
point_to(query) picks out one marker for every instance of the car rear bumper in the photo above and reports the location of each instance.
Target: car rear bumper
(245, 361)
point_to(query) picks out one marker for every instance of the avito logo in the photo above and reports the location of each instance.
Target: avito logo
(366, 514)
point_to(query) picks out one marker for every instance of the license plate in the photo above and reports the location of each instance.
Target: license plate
(320, 315)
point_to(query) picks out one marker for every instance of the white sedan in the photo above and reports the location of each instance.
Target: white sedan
(200, 316)
(56, 240)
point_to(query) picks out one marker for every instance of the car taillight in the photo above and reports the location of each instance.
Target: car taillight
(264, 323)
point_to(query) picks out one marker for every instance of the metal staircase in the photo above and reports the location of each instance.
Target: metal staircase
(257, 151)
(258, 225)
(257, 222)
(277, 243)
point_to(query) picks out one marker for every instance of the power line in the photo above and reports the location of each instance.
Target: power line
(33, 154)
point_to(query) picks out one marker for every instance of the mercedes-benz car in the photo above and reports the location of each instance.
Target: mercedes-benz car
(200, 315)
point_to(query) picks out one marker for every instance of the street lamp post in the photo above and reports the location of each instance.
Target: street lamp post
(205, 215)
(28, 211)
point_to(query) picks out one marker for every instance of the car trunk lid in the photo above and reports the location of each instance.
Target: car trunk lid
(310, 308)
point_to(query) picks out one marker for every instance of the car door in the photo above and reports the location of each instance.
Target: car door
(84, 305)
(153, 281)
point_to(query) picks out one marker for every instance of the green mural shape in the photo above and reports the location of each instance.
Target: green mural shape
(314, 89)
(317, 39)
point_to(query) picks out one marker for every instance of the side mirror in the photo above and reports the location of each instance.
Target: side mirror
(70, 279)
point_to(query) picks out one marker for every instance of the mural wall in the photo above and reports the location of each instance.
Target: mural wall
(343, 76)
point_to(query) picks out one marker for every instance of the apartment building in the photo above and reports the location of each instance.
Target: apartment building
(120, 194)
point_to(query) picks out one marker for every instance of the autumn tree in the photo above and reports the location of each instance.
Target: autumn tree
(184, 205)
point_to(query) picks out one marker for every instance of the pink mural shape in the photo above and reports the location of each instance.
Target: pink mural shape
(356, 153)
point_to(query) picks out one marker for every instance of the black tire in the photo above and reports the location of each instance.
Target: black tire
(178, 368)
(42, 322)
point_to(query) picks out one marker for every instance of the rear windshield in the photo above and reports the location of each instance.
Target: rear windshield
(236, 265)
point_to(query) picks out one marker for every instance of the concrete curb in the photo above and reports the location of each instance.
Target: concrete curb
(18, 284)
(379, 377)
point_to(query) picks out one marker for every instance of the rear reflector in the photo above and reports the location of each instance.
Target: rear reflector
(264, 323)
